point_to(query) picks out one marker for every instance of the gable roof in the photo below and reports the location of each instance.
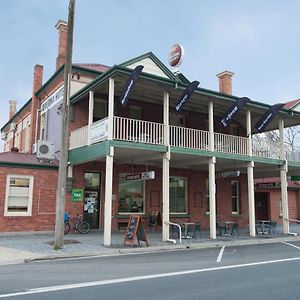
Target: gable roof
(152, 65)
(291, 104)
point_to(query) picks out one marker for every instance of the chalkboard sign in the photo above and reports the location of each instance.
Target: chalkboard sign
(135, 230)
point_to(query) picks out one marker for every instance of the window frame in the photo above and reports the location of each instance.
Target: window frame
(237, 197)
(144, 197)
(185, 196)
(30, 196)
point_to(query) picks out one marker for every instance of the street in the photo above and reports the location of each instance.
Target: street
(268, 271)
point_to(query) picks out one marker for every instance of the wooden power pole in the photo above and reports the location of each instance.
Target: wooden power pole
(63, 162)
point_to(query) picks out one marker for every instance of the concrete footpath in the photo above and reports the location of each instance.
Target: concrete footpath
(33, 246)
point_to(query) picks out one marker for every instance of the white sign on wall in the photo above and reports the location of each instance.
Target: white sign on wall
(56, 97)
(99, 131)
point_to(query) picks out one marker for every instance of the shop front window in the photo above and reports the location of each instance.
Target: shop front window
(131, 195)
(178, 195)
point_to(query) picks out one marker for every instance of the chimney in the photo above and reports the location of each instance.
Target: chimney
(225, 84)
(62, 28)
(37, 84)
(12, 108)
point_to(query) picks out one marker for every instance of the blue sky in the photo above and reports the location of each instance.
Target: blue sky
(257, 40)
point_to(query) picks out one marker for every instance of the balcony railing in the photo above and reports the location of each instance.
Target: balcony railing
(139, 131)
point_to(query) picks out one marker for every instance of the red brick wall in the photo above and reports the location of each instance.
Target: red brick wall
(43, 202)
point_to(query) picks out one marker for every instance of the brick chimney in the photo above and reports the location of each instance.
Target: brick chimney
(225, 84)
(12, 108)
(35, 103)
(62, 28)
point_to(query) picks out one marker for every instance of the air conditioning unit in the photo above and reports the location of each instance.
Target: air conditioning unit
(45, 150)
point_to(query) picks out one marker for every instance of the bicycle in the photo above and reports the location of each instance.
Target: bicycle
(76, 224)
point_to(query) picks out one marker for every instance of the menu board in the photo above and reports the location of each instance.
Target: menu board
(135, 231)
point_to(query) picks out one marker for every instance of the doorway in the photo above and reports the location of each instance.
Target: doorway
(91, 207)
(262, 206)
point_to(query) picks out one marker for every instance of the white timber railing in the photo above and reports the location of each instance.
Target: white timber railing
(138, 131)
(231, 144)
(188, 138)
(79, 137)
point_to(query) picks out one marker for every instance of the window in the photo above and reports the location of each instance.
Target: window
(18, 198)
(235, 201)
(135, 112)
(131, 195)
(178, 195)
(92, 180)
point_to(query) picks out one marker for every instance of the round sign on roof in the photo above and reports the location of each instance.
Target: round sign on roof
(176, 55)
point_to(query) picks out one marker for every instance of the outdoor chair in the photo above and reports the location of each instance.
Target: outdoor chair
(193, 229)
(220, 228)
(258, 228)
(234, 229)
(174, 231)
(271, 227)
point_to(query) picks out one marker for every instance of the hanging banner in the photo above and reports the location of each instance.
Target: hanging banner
(233, 110)
(186, 95)
(128, 88)
(268, 116)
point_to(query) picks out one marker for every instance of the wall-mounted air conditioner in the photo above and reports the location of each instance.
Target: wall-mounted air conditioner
(45, 150)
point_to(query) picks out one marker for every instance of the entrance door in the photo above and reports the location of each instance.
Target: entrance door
(262, 206)
(91, 208)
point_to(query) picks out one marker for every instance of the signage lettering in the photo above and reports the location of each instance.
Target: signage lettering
(186, 95)
(52, 100)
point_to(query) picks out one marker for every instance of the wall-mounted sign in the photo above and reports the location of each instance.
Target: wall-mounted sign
(56, 97)
(99, 131)
(141, 176)
(268, 184)
(176, 55)
(295, 177)
(230, 174)
(77, 195)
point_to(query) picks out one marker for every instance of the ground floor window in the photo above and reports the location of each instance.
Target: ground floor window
(131, 195)
(178, 195)
(18, 196)
(235, 201)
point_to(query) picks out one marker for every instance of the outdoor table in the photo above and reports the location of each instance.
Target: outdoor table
(186, 226)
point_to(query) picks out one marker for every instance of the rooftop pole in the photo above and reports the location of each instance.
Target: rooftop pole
(63, 162)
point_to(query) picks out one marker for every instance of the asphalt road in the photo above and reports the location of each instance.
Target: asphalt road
(268, 271)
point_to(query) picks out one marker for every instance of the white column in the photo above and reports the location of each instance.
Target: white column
(91, 113)
(111, 96)
(109, 167)
(108, 197)
(283, 181)
(166, 167)
(211, 174)
(250, 166)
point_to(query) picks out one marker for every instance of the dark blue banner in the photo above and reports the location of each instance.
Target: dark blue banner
(128, 87)
(186, 95)
(233, 110)
(267, 117)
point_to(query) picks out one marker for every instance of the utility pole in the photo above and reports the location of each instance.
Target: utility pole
(63, 162)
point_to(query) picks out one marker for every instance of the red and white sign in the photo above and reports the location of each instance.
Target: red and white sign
(176, 55)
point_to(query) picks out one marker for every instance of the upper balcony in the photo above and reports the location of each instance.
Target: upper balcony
(138, 131)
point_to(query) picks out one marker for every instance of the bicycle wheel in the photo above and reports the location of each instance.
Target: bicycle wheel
(67, 228)
(84, 227)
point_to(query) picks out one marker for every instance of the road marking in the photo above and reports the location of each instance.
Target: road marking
(136, 278)
(220, 254)
(286, 243)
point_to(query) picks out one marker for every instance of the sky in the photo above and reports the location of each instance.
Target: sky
(257, 40)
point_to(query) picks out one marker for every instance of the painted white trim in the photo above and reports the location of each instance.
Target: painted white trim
(30, 195)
